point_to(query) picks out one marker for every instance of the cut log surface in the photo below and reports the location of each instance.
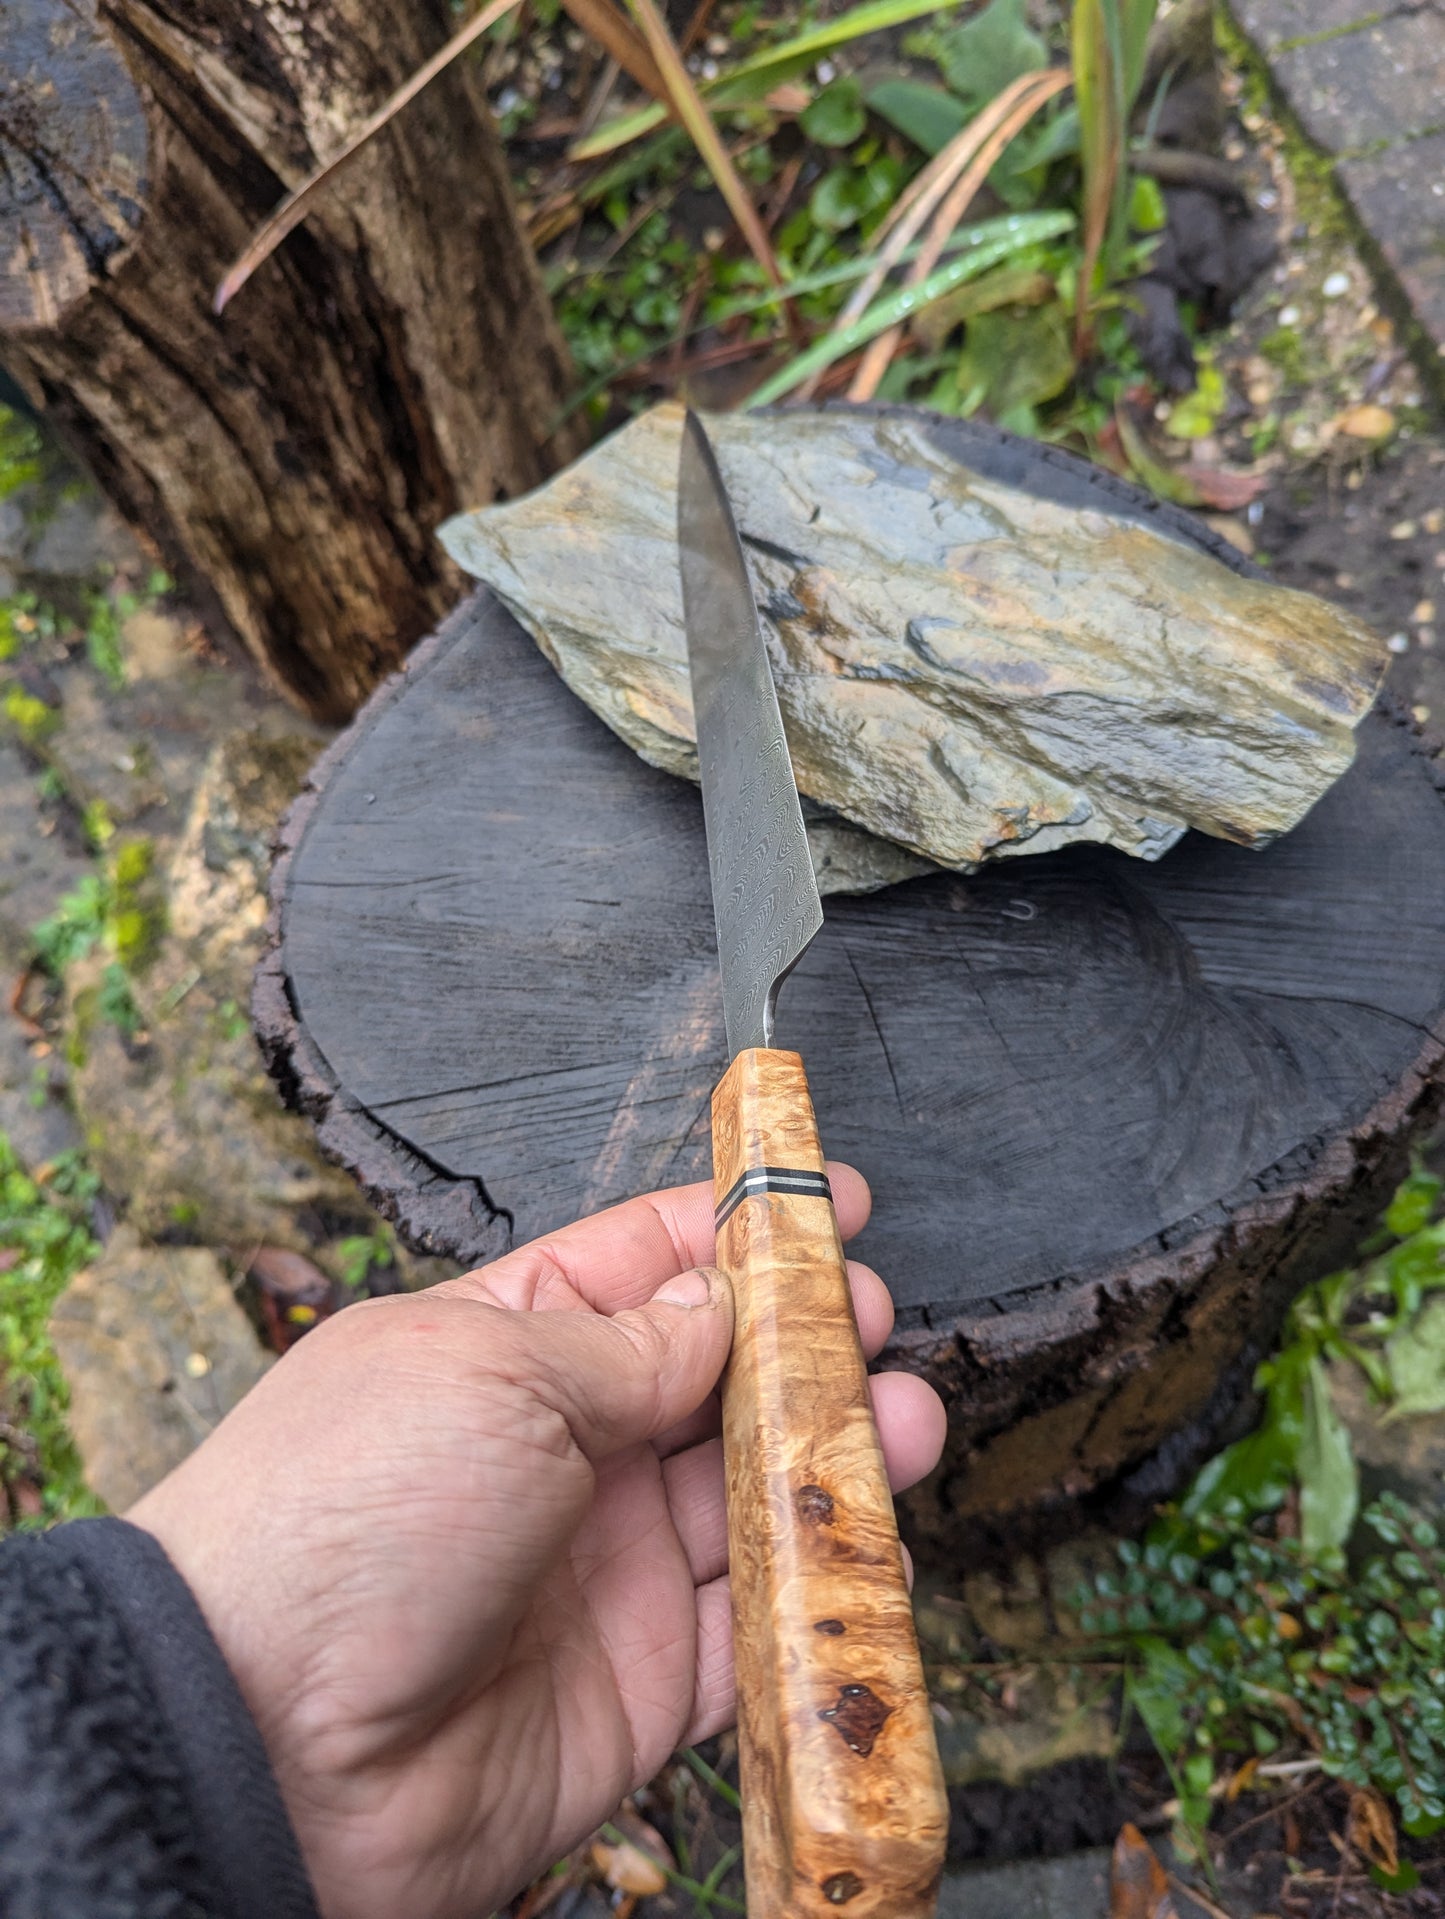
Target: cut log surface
(1113, 1113)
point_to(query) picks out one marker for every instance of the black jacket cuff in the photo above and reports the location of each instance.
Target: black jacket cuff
(127, 1754)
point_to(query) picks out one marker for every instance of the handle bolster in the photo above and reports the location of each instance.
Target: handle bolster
(802, 1182)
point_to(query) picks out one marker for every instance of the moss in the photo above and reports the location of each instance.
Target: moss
(31, 718)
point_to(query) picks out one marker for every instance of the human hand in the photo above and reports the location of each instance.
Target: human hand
(465, 1551)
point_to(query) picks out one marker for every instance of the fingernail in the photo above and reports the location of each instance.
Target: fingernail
(687, 1289)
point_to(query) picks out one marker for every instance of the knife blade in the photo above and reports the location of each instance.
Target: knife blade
(843, 1799)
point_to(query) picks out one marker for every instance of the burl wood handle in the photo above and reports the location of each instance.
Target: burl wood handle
(843, 1800)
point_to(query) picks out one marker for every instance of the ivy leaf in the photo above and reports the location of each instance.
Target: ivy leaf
(837, 117)
(847, 195)
(926, 115)
(1329, 1480)
(987, 53)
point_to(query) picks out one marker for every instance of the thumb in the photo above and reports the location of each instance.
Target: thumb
(627, 1378)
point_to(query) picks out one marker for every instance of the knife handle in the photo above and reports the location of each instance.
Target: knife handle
(844, 1806)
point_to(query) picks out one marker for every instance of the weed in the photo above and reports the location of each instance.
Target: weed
(1241, 1619)
(362, 1253)
(43, 1226)
(118, 908)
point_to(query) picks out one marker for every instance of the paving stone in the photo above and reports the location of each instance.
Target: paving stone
(1274, 23)
(1399, 197)
(1077, 1885)
(155, 1351)
(1382, 84)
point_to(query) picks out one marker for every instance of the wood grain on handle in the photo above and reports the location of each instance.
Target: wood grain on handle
(843, 1801)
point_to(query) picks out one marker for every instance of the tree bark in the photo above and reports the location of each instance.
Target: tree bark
(394, 361)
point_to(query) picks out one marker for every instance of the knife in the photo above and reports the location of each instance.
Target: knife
(843, 1800)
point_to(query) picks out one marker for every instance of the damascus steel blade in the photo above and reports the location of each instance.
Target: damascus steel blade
(764, 895)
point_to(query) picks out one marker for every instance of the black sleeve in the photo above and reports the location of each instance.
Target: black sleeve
(133, 1781)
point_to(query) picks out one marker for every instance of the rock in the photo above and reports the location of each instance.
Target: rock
(1040, 1718)
(1402, 1454)
(155, 1351)
(967, 668)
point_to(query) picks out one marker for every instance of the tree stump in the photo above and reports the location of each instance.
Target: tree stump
(395, 360)
(1114, 1114)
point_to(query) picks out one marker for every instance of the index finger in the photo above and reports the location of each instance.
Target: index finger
(619, 1258)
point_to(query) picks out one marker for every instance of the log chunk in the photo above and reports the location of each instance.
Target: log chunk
(292, 457)
(1114, 1114)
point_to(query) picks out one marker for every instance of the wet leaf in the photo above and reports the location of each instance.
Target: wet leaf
(1371, 1829)
(837, 117)
(1138, 1884)
(626, 1868)
(928, 116)
(1242, 1780)
(1365, 422)
(987, 53)
(1016, 357)
(1218, 487)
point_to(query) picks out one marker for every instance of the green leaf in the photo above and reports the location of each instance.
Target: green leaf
(751, 79)
(1197, 414)
(1329, 1480)
(1416, 1359)
(847, 195)
(1017, 357)
(1020, 231)
(1415, 1201)
(1404, 1879)
(1147, 211)
(1159, 1691)
(837, 117)
(987, 53)
(928, 116)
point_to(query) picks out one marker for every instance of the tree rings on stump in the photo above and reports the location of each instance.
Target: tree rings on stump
(1113, 1114)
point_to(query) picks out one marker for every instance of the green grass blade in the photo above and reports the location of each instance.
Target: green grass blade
(904, 302)
(756, 76)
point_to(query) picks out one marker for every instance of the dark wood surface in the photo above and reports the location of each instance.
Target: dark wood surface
(1114, 1113)
(498, 933)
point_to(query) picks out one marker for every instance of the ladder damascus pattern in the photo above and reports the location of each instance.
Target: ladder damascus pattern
(765, 897)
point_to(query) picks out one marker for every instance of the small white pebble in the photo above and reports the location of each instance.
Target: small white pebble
(1336, 285)
(1424, 612)
(1268, 200)
(1398, 643)
(1289, 316)
(197, 1365)
(1419, 714)
(1404, 530)
(826, 72)
(1254, 512)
